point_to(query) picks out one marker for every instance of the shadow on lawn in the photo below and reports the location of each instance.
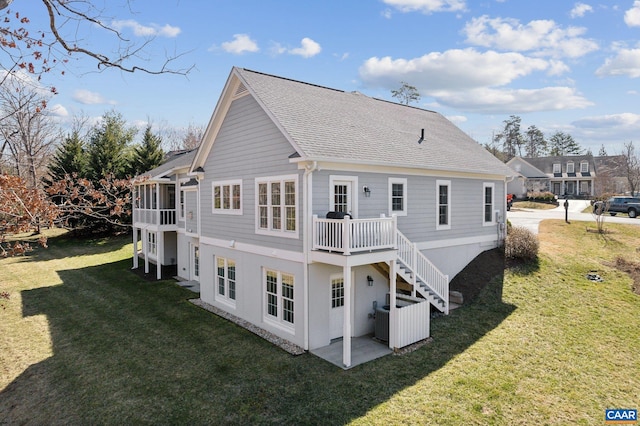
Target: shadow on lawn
(130, 351)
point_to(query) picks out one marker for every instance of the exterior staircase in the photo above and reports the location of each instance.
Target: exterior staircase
(418, 275)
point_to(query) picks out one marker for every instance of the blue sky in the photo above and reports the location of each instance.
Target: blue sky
(560, 65)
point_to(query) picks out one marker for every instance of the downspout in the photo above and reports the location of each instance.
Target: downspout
(307, 201)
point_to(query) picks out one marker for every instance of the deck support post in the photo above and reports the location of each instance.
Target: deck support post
(392, 306)
(346, 323)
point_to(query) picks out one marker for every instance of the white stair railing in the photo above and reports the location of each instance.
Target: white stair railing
(423, 269)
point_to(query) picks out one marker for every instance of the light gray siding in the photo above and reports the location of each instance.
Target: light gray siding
(249, 145)
(191, 211)
(420, 222)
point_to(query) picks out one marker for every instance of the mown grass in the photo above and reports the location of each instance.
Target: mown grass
(533, 205)
(85, 341)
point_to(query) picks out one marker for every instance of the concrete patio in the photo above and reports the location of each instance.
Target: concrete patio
(363, 349)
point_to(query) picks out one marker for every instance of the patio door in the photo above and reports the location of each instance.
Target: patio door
(343, 195)
(336, 314)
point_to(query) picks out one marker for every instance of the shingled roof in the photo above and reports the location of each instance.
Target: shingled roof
(325, 124)
(177, 160)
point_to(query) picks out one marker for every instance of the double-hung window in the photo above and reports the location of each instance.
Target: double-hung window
(226, 279)
(279, 300)
(151, 243)
(571, 167)
(443, 204)
(487, 193)
(227, 197)
(584, 167)
(398, 196)
(557, 168)
(277, 206)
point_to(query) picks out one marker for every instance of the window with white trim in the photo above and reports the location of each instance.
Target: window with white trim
(487, 194)
(571, 167)
(443, 204)
(557, 168)
(337, 292)
(225, 279)
(584, 167)
(277, 206)
(398, 196)
(181, 205)
(227, 197)
(151, 243)
(279, 301)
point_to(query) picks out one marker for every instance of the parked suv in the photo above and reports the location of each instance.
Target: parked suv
(629, 205)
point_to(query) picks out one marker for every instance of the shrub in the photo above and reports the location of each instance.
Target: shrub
(521, 244)
(543, 197)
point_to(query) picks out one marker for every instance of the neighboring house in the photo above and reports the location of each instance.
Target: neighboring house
(305, 208)
(574, 176)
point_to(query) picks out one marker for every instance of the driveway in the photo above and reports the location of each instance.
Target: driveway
(531, 218)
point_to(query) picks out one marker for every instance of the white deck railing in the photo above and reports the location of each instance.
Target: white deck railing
(354, 235)
(422, 268)
(155, 216)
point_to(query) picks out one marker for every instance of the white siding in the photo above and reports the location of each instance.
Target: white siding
(250, 298)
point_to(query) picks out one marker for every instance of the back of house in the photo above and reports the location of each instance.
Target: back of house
(308, 209)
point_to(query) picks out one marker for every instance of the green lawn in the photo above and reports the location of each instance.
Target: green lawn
(86, 341)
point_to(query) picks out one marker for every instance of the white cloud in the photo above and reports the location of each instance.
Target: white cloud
(147, 31)
(626, 62)
(240, 44)
(542, 37)
(456, 118)
(307, 49)
(579, 10)
(632, 16)
(58, 110)
(87, 97)
(427, 6)
(451, 70)
(386, 13)
(472, 81)
(510, 101)
(625, 120)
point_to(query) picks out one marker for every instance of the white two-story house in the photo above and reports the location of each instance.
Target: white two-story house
(306, 209)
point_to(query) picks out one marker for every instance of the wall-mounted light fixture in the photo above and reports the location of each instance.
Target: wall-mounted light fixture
(367, 191)
(370, 280)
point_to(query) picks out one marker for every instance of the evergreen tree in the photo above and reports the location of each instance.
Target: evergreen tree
(563, 144)
(406, 93)
(108, 147)
(511, 138)
(535, 143)
(70, 158)
(148, 155)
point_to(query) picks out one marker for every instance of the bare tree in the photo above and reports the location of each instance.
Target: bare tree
(70, 27)
(631, 166)
(27, 130)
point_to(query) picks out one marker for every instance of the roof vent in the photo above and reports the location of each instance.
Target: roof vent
(241, 90)
(421, 137)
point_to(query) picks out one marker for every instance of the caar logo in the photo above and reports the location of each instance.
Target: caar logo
(621, 416)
